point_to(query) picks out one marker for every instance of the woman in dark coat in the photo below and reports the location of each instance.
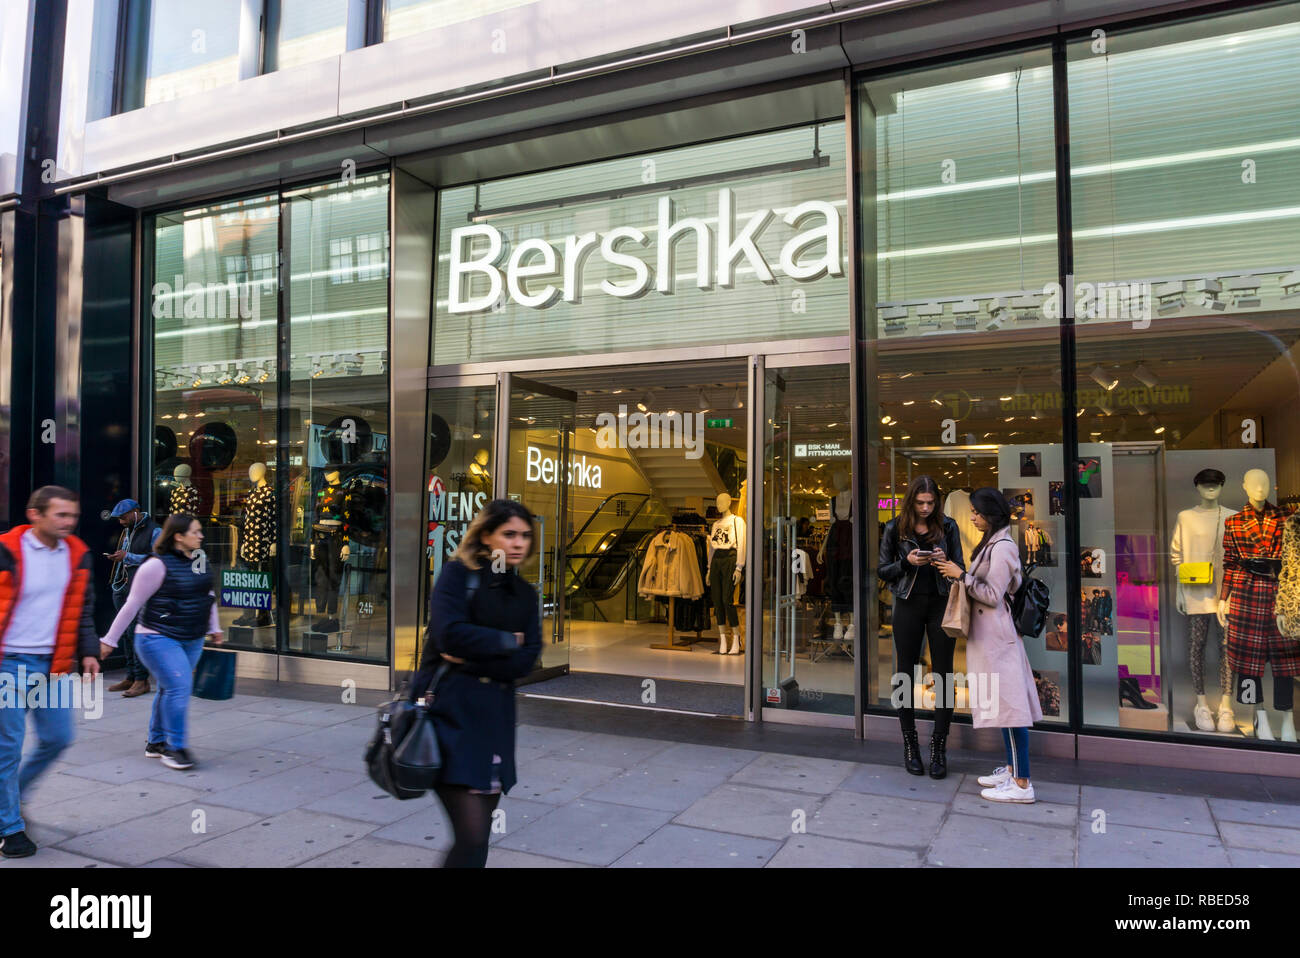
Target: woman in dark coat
(483, 622)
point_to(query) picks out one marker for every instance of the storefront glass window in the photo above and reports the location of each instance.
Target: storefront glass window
(338, 418)
(609, 257)
(300, 31)
(191, 46)
(1189, 462)
(214, 316)
(404, 17)
(963, 356)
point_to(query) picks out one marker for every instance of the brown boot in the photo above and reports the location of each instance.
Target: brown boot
(122, 686)
(140, 687)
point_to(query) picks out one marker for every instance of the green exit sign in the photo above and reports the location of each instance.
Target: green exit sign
(718, 423)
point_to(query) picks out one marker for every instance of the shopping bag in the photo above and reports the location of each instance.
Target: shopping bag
(956, 617)
(214, 676)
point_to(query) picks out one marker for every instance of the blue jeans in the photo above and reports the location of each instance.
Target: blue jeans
(1017, 742)
(171, 662)
(135, 669)
(55, 730)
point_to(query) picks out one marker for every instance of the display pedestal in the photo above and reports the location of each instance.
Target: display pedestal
(257, 636)
(326, 641)
(1150, 720)
(672, 645)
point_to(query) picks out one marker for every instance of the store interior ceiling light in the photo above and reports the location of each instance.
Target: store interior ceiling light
(1145, 376)
(739, 401)
(1104, 379)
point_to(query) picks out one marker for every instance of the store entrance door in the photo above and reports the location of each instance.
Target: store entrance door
(539, 473)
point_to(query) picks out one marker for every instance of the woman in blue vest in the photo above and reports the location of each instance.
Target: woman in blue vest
(174, 590)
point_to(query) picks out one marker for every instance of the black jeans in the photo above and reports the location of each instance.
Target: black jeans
(915, 618)
(721, 571)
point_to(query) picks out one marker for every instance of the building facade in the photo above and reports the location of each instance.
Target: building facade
(707, 294)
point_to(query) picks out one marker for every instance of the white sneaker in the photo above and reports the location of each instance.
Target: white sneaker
(1010, 792)
(1204, 720)
(1000, 774)
(848, 634)
(735, 644)
(722, 642)
(1227, 721)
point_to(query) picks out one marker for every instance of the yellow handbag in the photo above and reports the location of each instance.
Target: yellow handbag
(1196, 573)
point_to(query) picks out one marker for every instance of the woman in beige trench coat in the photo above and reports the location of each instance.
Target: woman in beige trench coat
(996, 664)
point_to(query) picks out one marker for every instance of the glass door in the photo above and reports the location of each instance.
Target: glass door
(809, 641)
(539, 442)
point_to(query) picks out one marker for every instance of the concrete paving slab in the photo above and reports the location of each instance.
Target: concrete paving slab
(323, 716)
(1261, 837)
(601, 749)
(592, 832)
(1040, 813)
(52, 858)
(426, 827)
(1128, 846)
(166, 863)
(746, 810)
(59, 786)
(370, 852)
(269, 733)
(677, 846)
(704, 758)
(814, 851)
(507, 858)
(273, 794)
(514, 814)
(1256, 813)
(880, 819)
(341, 739)
(1179, 813)
(364, 802)
(216, 772)
(795, 772)
(889, 780)
(657, 786)
(1254, 858)
(560, 780)
(149, 837)
(540, 735)
(972, 840)
(274, 707)
(116, 803)
(278, 842)
(124, 768)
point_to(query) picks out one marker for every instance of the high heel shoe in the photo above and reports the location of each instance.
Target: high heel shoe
(912, 753)
(1131, 692)
(938, 756)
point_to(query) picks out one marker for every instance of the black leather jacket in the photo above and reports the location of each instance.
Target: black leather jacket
(901, 574)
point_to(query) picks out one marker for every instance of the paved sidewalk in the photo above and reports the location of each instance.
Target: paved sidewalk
(281, 784)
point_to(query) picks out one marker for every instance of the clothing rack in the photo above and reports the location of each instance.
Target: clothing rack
(686, 523)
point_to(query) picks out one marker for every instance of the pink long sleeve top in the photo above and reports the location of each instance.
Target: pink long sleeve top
(147, 581)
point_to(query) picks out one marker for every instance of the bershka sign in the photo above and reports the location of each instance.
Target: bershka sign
(720, 254)
(545, 470)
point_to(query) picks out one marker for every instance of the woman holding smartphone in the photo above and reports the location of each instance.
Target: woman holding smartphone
(994, 648)
(913, 543)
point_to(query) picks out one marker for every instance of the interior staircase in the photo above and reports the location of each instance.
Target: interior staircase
(678, 482)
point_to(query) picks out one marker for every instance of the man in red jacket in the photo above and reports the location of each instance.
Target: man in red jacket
(47, 628)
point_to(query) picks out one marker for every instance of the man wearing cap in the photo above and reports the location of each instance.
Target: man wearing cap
(139, 533)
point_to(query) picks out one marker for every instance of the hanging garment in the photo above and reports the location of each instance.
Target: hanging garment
(1288, 583)
(958, 509)
(259, 525)
(800, 571)
(671, 567)
(185, 501)
(1250, 539)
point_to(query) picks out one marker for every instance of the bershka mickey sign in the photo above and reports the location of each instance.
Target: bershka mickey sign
(720, 253)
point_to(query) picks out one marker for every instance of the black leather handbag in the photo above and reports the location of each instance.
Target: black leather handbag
(404, 758)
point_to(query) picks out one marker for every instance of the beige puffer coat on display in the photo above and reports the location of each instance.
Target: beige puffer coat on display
(671, 568)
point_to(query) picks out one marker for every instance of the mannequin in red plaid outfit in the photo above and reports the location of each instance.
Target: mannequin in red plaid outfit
(1252, 556)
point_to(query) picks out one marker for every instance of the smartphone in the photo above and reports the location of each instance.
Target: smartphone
(925, 553)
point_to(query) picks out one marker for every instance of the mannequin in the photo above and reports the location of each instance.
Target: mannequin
(1033, 539)
(1252, 559)
(726, 563)
(957, 508)
(257, 536)
(185, 498)
(329, 551)
(837, 554)
(1198, 538)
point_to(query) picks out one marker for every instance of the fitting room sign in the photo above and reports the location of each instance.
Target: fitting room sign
(821, 450)
(245, 590)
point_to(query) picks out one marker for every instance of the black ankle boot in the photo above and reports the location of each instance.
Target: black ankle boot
(912, 753)
(938, 756)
